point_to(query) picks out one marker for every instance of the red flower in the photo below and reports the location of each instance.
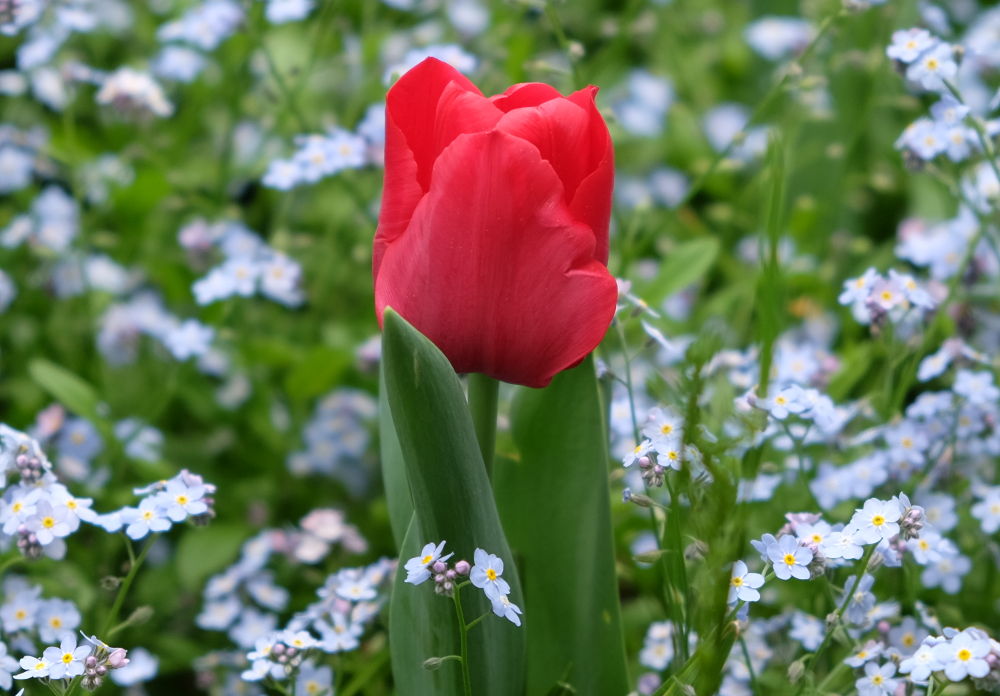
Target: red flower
(493, 234)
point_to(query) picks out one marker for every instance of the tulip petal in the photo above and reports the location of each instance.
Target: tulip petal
(591, 202)
(559, 129)
(525, 94)
(426, 109)
(494, 269)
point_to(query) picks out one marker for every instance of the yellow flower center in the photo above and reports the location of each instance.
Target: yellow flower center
(55, 622)
(909, 639)
(964, 655)
(182, 499)
(789, 559)
(491, 574)
(666, 428)
(48, 522)
(427, 559)
(878, 520)
(67, 658)
(737, 581)
(72, 504)
(20, 614)
(878, 679)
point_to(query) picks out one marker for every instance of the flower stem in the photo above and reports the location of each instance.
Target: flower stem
(476, 620)
(483, 392)
(464, 634)
(860, 569)
(123, 589)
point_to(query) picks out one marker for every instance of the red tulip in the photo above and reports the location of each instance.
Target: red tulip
(493, 234)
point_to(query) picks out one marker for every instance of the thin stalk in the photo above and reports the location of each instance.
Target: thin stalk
(860, 569)
(483, 394)
(476, 620)
(746, 657)
(123, 589)
(464, 635)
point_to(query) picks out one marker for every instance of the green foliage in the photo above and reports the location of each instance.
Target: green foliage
(553, 498)
(452, 501)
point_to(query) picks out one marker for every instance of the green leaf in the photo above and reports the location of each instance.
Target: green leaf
(555, 506)
(453, 501)
(684, 265)
(397, 490)
(70, 390)
(204, 551)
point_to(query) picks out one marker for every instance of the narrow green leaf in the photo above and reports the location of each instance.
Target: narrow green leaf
(397, 490)
(682, 266)
(555, 506)
(70, 390)
(453, 501)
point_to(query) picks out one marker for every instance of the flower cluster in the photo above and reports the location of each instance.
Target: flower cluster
(926, 59)
(249, 266)
(336, 437)
(40, 512)
(320, 156)
(67, 660)
(486, 574)
(245, 601)
(958, 655)
(663, 447)
(875, 299)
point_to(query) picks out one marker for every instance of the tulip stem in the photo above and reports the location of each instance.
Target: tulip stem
(483, 392)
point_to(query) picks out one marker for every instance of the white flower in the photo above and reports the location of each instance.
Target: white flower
(877, 680)
(504, 608)
(789, 559)
(743, 584)
(179, 500)
(637, 453)
(485, 574)
(920, 665)
(418, 567)
(66, 661)
(878, 520)
(148, 517)
(964, 655)
(34, 668)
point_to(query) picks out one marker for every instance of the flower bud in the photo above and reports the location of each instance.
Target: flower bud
(439, 567)
(462, 567)
(432, 664)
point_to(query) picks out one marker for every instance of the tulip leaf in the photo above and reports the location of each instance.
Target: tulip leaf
(452, 501)
(397, 490)
(554, 501)
(684, 265)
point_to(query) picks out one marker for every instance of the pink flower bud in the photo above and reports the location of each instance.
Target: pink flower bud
(117, 658)
(439, 566)
(462, 567)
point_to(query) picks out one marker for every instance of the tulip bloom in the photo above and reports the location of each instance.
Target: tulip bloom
(493, 234)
